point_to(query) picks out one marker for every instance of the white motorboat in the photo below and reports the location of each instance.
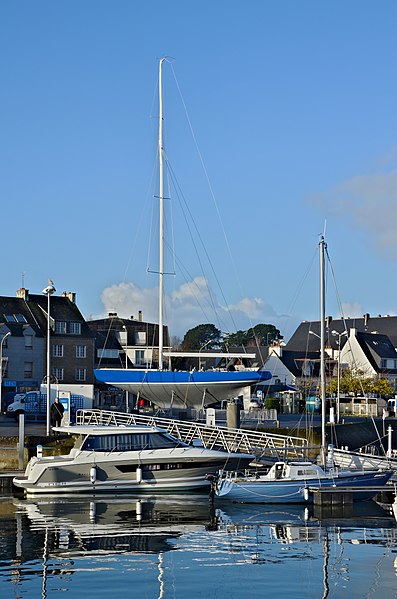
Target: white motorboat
(136, 459)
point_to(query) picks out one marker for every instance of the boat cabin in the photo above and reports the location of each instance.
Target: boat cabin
(295, 470)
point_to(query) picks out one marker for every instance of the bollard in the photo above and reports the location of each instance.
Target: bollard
(233, 415)
(210, 417)
(21, 444)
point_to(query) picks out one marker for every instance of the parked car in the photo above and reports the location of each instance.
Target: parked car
(255, 404)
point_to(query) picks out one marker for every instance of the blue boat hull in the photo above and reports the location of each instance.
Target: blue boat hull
(183, 388)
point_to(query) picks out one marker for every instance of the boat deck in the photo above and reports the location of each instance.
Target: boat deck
(263, 445)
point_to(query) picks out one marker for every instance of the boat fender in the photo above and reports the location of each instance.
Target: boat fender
(138, 506)
(93, 474)
(139, 475)
(306, 494)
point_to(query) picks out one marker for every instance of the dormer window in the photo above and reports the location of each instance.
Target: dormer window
(15, 318)
(20, 318)
(67, 327)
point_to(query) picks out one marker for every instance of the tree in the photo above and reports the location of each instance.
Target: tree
(381, 387)
(356, 382)
(203, 335)
(260, 334)
(237, 339)
(263, 333)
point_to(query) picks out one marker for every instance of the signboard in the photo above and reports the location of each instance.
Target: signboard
(64, 399)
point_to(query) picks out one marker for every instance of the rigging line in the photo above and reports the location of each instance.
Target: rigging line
(356, 365)
(143, 212)
(190, 281)
(188, 211)
(180, 196)
(299, 288)
(208, 180)
(151, 234)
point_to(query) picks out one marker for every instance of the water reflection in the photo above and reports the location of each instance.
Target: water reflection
(47, 538)
(112, 525)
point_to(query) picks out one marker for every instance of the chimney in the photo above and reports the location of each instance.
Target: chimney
(70, 295)
(112, 314)
(366, 319)
(328, 321)
(140, 315)
(23, 293)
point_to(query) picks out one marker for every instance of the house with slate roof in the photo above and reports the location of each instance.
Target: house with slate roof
(306, 336)
(371, 353)
(126, 342)
(366, 344)
(25, 349)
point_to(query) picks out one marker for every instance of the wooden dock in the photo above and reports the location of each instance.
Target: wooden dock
(6, 486)
(329, 496)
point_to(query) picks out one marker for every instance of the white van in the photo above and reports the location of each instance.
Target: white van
(18, 405)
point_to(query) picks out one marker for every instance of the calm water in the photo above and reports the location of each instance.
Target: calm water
(177, 547)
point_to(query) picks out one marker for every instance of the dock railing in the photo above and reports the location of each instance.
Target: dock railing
(261, 444)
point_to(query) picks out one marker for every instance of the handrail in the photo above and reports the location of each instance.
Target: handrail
(260, 444)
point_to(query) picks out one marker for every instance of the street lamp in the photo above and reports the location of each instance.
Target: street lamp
(202, 347)
(48, 291)
(1, 364)
(339, 335)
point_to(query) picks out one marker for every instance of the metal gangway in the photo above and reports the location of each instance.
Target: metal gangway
(262, 445)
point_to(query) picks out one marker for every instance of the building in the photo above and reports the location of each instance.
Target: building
(24, 351)
(126, 343)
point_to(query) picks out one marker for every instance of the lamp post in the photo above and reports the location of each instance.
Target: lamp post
(339, 335)
(202, 347)
(48, 291)
(1, 365)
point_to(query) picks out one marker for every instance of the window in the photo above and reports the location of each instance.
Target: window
(28, 341)
(58, 373)
(28, 370)
(57, 351)
(141, 337)
(60, 326)
(74, 328)
(140, 357)
(80, 374)
(130, 442)
(20, 318)
(108, 353)
(64, 327)
(9, 317)
(81, 351)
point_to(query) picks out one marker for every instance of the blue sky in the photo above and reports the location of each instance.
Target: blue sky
(293, 109)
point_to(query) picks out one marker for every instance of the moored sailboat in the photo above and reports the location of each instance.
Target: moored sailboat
(292, 482)
(163, 387)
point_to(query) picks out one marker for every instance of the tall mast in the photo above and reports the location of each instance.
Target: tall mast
(161, 215)
(322, 348)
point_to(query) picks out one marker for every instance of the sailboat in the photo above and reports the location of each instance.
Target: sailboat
(168, 388)
(292, 482)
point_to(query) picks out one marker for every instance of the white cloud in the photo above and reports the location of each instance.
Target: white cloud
(369, 202)
(187, 306)
(351, 310)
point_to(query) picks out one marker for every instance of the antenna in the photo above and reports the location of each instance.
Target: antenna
(23, 279)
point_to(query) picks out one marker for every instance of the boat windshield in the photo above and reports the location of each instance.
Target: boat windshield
(129, 442)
